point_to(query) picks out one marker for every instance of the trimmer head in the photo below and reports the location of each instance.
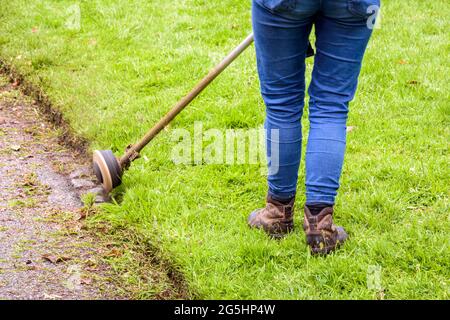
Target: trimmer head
(107, 169)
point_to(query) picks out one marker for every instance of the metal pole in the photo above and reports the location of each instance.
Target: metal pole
(177, 108)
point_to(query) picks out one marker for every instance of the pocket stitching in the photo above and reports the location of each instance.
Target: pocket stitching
(287, 5)
(351, 7)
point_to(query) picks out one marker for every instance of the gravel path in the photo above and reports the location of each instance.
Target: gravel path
(45, 253)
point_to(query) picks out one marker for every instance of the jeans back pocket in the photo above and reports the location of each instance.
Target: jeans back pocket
(364, 8)
(279, 5)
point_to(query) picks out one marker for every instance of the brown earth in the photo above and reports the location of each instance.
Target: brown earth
(45, 251)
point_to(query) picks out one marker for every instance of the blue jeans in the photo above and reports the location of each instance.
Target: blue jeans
(282, 28)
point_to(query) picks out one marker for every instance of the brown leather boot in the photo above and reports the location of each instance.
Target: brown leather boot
(322, 235)
(276, 218)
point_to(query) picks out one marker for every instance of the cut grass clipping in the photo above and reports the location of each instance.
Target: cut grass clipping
(121, 66)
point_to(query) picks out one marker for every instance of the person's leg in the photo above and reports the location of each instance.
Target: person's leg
(342, 33)
(281, 40)
(341, 39)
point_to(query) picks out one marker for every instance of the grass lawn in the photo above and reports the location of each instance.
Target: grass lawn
(131, 60)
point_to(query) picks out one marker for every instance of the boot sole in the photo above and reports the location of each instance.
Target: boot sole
(282, 234)
(274, 235)
(325, 250)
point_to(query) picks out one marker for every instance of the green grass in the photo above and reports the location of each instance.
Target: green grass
(132, 60)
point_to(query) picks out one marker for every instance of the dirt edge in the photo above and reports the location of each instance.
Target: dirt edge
(145, 253)
(67, 137)
(81, 146)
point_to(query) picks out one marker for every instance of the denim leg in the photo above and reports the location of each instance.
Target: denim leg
(342, 38)
(281, 43)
